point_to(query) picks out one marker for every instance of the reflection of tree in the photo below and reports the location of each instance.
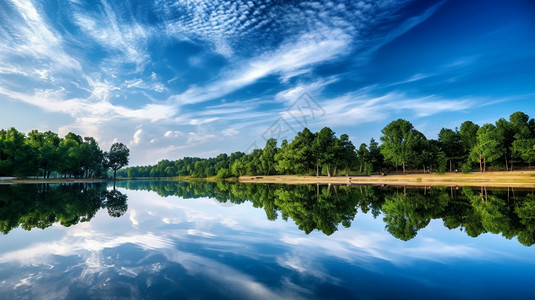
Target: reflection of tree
(405, 211)
(116, 203)
(411, 211)
(39, 206)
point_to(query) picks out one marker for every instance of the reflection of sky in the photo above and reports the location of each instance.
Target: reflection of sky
(163, 247)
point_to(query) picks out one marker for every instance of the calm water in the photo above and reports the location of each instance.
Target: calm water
(157, 240)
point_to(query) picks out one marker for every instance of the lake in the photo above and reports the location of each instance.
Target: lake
(206, 240)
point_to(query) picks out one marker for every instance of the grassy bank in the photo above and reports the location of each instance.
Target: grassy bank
(490, 179)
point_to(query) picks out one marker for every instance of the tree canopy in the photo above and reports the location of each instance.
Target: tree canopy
(497, 146)
(43, 153)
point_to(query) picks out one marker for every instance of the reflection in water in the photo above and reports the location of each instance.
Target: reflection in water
(41, 205)
(510, 212)
(169, 248)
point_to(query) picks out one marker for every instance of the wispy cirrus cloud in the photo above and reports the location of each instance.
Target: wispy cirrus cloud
(127, 38)
(55, 101)
(291, 58)
(27, 38)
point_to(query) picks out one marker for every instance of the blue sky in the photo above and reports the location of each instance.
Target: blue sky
(197, 78)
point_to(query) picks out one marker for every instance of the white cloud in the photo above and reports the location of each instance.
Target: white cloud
(129, 39)
(137, 138)
(173, 134)
(308, 50)
(101, 111)
(230, 132)
(359, 107)
(30, 36)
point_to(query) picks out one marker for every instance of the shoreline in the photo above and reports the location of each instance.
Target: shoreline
(525, 179)
(488, 179)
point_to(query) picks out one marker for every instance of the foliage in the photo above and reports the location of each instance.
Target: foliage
(324, 153)
(42, 153)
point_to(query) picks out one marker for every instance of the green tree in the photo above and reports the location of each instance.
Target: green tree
(524, 137)
(487, 147)
(117, 157)
(468, 133)
(17, 158)
(401, 142)
(324, 150)
(363, 157)
(450, 142)
(267, 158)
(505, 135)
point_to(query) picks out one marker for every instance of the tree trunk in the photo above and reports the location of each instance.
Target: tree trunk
(506, 164)
(114, 174)
(360, 170)
(450, 165)
(328, 170)
(480, 164)
(424, 168)
(317, 169)
(44, 173)
(484, 165)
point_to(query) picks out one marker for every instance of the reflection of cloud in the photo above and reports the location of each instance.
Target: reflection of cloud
(196, 239)
(235, 283)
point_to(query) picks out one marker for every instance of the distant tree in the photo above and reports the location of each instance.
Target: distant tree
(117, 157)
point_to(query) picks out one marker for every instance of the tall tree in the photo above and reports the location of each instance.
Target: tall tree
(363, 157)
(46, 145)
(451, 143)
(267, 159)
(505, 134)
(117, 157)
(468, 133)
(400, 142)
(524, 138)
(487, 147)
(324, 149)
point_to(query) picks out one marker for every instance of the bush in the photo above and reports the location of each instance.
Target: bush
(223, 173)
(467, 168)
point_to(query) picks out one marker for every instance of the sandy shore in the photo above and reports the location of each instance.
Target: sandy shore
(490, 179)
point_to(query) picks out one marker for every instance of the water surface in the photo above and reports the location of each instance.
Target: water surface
(200, 240)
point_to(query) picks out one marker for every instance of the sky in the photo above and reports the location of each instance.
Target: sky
(197, 78)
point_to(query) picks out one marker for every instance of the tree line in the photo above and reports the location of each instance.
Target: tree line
(504, 145)
(43, 153)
